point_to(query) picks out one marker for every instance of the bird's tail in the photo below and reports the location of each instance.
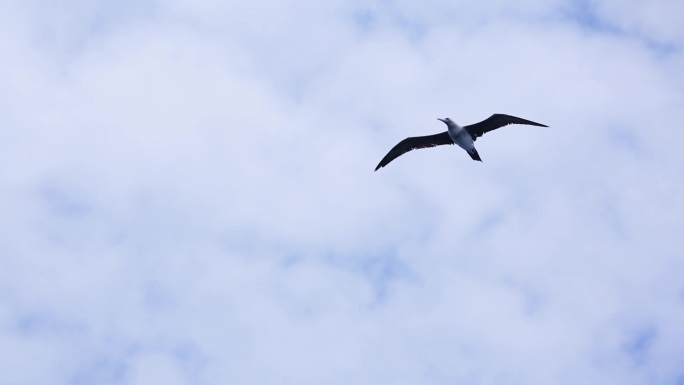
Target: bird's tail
(473, 154)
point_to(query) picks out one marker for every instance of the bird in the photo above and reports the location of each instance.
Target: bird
(464, 137)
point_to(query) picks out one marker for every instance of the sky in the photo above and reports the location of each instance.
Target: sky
(187, 193)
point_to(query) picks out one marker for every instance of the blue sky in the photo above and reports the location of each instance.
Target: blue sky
(188, 196)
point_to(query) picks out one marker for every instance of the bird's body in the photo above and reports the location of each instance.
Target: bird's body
(464, 137)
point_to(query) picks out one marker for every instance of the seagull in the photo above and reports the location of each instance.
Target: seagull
(464, 137)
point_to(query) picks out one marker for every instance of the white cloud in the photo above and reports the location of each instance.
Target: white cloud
(656, 20)
(188, 195)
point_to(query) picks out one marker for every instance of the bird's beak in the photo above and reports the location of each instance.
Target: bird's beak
(443, 120)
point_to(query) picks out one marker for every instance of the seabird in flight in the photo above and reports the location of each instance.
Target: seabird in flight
(464, 137)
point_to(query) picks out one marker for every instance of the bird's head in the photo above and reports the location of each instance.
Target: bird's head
(446, 121)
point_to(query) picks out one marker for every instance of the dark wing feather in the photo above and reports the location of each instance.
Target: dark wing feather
(413, 143)
(496, 121)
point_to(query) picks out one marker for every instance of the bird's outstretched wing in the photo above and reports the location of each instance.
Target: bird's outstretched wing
(496, 121)
(413, 143)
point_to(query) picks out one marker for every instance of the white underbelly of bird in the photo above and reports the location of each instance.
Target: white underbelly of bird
(461, 137)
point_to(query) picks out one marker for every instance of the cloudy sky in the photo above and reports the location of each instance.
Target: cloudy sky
(187, 193)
